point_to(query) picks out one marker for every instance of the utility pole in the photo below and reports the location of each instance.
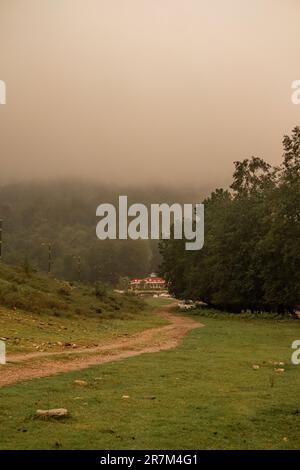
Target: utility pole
(78, 259)
(49, 245)
(1, 226)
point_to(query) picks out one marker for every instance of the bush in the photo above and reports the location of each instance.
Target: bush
(101, 290)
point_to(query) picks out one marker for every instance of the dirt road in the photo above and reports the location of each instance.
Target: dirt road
(22, 367)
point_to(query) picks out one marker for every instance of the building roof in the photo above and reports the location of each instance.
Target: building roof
(149, 280)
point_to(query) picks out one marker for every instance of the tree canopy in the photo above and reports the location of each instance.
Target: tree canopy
(250, 259)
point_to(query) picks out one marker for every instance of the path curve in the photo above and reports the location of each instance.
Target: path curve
(22, 367)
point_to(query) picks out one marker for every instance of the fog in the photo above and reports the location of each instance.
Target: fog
(145, 91)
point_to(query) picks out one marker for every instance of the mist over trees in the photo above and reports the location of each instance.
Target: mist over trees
(64, 214)
(250, 259)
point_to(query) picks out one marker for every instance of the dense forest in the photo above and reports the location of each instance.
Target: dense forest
(251, 256)
(63, 214)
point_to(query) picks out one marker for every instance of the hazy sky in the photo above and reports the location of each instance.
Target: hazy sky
(171, 91)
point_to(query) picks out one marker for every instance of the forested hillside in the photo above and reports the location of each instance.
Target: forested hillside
(64, 215)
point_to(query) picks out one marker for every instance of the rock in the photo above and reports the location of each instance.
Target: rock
(55, 413)
(280, 371)
(82, 383)
(125, 397)
(279, 364)
(255, 367)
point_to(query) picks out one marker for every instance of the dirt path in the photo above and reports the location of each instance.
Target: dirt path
(152, 340)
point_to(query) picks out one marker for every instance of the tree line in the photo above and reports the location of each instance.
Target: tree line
(251, 256)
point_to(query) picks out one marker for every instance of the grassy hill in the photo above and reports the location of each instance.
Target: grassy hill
(39, 312)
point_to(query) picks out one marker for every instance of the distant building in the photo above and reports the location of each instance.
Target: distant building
(149, 283)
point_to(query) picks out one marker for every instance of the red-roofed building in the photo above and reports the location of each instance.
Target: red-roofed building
(149, 283)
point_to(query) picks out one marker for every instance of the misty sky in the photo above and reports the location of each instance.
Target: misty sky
(134, 91)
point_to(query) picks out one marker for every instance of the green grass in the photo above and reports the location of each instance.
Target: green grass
(158, 302)
(41, 293)
(207, 396)
(37, 312)
(30, 332)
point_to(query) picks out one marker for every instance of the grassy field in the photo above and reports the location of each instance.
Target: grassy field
(204, 394)
(40, 313)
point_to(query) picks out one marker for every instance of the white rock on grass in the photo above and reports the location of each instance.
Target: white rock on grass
(82, 383)
(55, 413)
